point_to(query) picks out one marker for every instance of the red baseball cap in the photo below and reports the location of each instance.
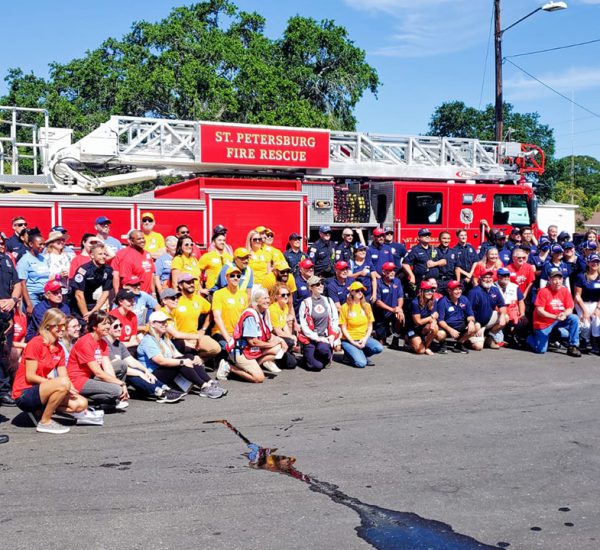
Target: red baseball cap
(426, 285)
(388, 266)
(378, 231)
(52, 286)
(341, 265)
(133, 280)
(454, 284)
(306, 264)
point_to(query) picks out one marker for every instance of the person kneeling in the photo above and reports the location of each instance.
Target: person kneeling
(41, 381)
(423, 327)
(456, 318)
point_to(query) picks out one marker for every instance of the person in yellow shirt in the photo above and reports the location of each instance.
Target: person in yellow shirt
(212, 262)
(279, 311)
(227, 305)
(155, 242)
(268, 237)
(184, 261)
(260, 259)
(281, 274)
(356, 323)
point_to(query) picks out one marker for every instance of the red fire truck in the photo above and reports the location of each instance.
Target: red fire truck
(239, 175)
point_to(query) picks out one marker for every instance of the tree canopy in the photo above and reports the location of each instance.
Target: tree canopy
(207, 61)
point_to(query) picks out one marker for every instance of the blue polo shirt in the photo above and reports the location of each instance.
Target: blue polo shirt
(38, 313)
(389, 294)
(302, 292)
(454, 315)
(380, 256)
(590, 290)
(548, 265)
(484, 303)
(505, 255)
(398, 253)
(34, 271)
(416, 309)
(364, 279)
(418, 257)
(337, 291)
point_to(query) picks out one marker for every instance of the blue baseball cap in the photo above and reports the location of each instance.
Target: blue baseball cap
(592, 258)
(325, 229)
(568, 244)
(424, 232)
(503, 272)
(590, 245)
(359, 246)
(556, 249)
(102, 220)
(59, 228)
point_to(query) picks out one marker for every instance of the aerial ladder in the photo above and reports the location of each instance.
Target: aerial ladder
(126, 149)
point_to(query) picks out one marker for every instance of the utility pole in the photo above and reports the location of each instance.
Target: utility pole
(498, 43)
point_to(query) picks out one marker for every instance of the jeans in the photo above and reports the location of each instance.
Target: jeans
(317, 355)
(357, 356)
(145, 387)
(540, 337)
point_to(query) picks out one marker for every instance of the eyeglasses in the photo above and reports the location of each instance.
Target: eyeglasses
(21, 224)
(316, 284)
(186, 232)
(186, 244)
(286, 295)
(256, 239)
(116, 326)
(235, 276)
(147, 220)
(60, 326)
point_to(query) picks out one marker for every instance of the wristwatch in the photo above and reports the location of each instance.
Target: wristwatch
(181, 363)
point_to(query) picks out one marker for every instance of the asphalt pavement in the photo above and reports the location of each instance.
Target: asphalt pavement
(502, 447)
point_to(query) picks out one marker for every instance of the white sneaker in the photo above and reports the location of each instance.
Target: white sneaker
(52, 427)
(89, 418)
(223, 370)
(121, 405)
(271, 367)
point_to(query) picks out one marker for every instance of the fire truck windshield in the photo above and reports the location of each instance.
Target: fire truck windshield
(511, 209)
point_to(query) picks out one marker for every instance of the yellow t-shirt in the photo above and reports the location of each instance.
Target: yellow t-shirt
(278, 316)
(276, 254)
(185, 264)
(231, 305)
(212, 263)
(259, 262)
(356, 320)
(269, 282)
(188, 311)
(154, 241)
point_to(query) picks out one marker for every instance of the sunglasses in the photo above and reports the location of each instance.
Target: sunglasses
(235, 276)
(61, 326)
(316, 284)
(357, 291)
(256, 239)
(187, 244)
(186, 232)
(269, 235)
(428, 290)
(286, 295)
(21, 224)
(116, 326)
(347, 235)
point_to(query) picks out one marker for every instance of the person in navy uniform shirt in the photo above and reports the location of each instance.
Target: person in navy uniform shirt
(336, 288)
(398, 249)
(423, 259)
(378, 252)
(322, 253)
(53, 298)
(456, 317)
(504, 251)
(465, 257)
(88, 279)
(361, 269)
(15, 245)
(293, 252)
(345, 250)
(489, 310)
(388, 312)
(447, 270)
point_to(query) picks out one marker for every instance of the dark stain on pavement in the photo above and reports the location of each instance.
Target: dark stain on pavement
(383, 528)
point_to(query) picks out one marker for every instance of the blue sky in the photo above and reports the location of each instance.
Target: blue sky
(426, 52)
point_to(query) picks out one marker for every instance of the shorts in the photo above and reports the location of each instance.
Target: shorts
(415, 331)
(247, 365)
(30, 400)
(479, 337)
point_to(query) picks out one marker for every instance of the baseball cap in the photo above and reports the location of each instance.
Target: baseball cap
(555, 272)
(359, 246)
(500, 235)
(314, 280)
(564, 235)
(592, 258)
(590, 245)
(294, 237)
(515, 231)
(544, 239)
(124, 295)
(282, 266)
(241, 252)
(425, 285)
(357, 285)
(147, 215)
(306, 264)
(102, 220)
(388, 266)
(219, 230)
(503, 272)
(454, 284)
(487, 272)
(186, 277)
(388, 230)
(169, 293)
(58, 228)
(232, 269)
(568, 244)
(158, 317)
(325, 229)
(341, 265)
(52, 286)
(132, 280)
(260, 229)
(556, 249)
(424, 232)
(378, 231)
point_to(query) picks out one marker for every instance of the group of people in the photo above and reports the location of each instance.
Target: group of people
(155, 316)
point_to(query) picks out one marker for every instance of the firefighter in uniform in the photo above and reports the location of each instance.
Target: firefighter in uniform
(398, 249)
(294, 254)
(423, 258)
(466, 257)
(88, 279)
(10, 293)
(344, 252)
(446, 271)
(322, 253)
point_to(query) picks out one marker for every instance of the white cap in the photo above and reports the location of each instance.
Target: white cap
(158, 316)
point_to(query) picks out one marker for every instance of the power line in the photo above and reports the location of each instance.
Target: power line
(554, 49)
(487, 53)
(552, 89)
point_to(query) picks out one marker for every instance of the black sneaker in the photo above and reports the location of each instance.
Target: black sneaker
(442, 349)
(573, 351)
(170, 396)
(459, 347)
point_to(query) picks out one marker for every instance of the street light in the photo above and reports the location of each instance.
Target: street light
(549, 7)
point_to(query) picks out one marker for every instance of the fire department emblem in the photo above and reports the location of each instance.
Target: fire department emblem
(466, 216)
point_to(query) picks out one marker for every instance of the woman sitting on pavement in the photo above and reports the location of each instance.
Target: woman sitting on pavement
(279, 312)
(124, 312)
(90, 369)
(356, 322)
(422, 326)
(70, 335)
(159, 356)
(41, 382)
(319, 324)
(255, 345)
(137, 375)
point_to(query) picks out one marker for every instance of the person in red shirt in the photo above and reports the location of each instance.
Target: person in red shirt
(83, 257)
(124, 312)
(133, 260)
(41, 382)
(521, 272)
(554, 310)
(90, 368)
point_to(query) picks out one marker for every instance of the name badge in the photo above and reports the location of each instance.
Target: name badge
(451, 308)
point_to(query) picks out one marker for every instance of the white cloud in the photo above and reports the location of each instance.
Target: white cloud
(574, 79)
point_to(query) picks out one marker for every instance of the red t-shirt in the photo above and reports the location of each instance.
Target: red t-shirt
(552, 302)
(523, 276)
(129, 262)
(77, 262)
(48, 357)
(480, 269)
(19, 326)
(85, 350)
(129, 322)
